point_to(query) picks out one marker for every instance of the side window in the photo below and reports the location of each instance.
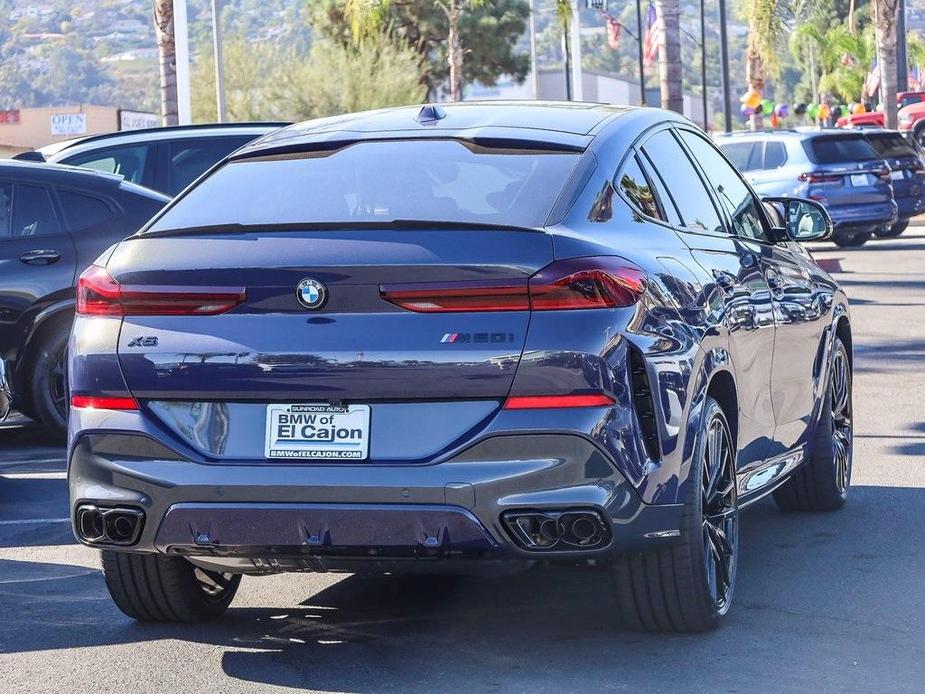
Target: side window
(636, 188)
(189, 159)
(731, 191)
(684, 183)
(745, 155)
(33, 213)
(775, 155)
(127, 161)
(6, 209)
(669, 211)
(83, 211)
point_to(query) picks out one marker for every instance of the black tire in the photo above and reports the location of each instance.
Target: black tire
(48, 395)
(670, 589)
(852, 239)
(822, 482)
(893, 231)
(157, 588)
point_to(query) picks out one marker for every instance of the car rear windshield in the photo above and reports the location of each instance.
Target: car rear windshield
(891, 145)
(839, 149)
(382, 181)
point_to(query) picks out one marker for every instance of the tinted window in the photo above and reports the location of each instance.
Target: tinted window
(382, 181)
(127, 161)
(683, 183)
(83, 211)
(731, 191)
(661, 193)
(33, 213)
(636, 188)
(839, 149)
(891, 145)
(745, 155)
(775, 155)
(188, 160)
(6, 209)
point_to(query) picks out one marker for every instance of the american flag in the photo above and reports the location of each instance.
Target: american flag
(873, 79)
(653, 36)
(614, 30)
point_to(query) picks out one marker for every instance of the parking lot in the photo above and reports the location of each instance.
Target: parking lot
(832, 602)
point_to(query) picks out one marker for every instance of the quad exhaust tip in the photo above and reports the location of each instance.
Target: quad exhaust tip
(119, 526)
(558, 530)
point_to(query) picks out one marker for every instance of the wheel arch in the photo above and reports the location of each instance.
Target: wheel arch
(843, 333)
(722, 388)
(48, 320)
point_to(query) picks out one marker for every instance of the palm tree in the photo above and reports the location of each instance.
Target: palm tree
(167, 58)
(766, 30)
(368, 15)
(885, 15)
(669, 55)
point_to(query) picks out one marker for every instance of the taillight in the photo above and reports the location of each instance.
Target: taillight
(102, 402)
(98, 294)
(537, 402)
(576, 283)
(820, 178)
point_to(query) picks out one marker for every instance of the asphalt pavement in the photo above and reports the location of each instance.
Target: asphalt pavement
(824, 602)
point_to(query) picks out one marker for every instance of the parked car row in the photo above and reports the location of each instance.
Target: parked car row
(871, 181)
(55, 220)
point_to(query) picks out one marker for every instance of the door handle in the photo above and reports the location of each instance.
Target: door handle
(775, 284)
(40, 257)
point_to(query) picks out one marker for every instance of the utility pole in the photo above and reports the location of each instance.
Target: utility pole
(703, 63)
(724, 66)
(577, 86)
(902, 61)
(219, 67)
(534, 77)
(181, 36)
(642, 59)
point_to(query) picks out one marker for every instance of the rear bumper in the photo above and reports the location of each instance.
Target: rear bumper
(266, 517)
(850, 217)
(910, 206)
(6, 391)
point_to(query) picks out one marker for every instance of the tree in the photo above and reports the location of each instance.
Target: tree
(488, 31)
(765, 37)
(167, 59)
(884, 16)
(670, 71)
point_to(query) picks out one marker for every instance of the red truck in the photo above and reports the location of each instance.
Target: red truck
(874, 119)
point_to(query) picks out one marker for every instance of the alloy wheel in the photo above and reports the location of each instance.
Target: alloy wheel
(842, 430)
(58, 383)
(720, 514)
(213, 583)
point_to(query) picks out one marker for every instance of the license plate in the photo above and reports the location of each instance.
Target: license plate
(317, 431)
(859, 179)
(897, 175)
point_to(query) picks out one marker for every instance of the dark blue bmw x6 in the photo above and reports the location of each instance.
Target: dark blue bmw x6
(461, 337)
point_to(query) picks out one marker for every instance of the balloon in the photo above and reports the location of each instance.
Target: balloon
(759, 109)
(837, 112)
(782, 110)
(746, 111)
(767, 107)
(824, 111)
(812, 111)
(799, 109)
(752, 99)
(775, 120)
(869, 105)
(859, 109)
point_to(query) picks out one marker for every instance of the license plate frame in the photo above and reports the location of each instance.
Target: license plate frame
(897, 175)
(317, 431)
(859, 180)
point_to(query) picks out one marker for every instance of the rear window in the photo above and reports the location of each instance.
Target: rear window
(891, 145)
(839, 149)
(381, 181)
(745, 155)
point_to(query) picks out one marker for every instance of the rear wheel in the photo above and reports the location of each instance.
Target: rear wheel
(156, 588)
(48, 401)
(852, 238)
(688, 586)
(892, 231)
(821, 483)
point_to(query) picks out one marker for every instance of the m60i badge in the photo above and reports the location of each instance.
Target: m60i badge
(492, 338)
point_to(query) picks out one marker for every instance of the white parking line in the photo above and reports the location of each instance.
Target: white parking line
(34, 521)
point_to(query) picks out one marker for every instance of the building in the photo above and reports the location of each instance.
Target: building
(26, 129)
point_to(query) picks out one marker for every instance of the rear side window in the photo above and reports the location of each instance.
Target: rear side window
(129, 161)
(891, 145)
(683, 183)
(6, 209)
(188, 160)
(84, 211)
(775, 155)
(745, 155)
(381, 182)
(839, 149)
(637, 190)
(33, 212)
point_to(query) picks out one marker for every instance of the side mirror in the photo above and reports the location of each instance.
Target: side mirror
(803, 220)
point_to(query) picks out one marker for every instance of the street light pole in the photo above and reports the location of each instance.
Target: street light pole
(219, 67)
(703, 62)
(902, 65)
(181, 39)
(724, 66)
(642, 60)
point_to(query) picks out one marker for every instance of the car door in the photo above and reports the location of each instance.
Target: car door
(37, 257)
(730, 271)
(796, 302)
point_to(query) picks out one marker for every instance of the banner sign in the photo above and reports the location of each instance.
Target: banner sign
(9, 117)
(136, 120)
(68, 123)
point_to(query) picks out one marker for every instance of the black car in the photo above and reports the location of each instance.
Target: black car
(165, 159)
(54, 221)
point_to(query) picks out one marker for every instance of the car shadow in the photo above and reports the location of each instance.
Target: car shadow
(837, 585)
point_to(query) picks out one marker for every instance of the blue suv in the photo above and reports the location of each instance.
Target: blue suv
(842, 170)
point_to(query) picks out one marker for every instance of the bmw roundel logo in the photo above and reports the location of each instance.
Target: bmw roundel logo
(311, 293)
